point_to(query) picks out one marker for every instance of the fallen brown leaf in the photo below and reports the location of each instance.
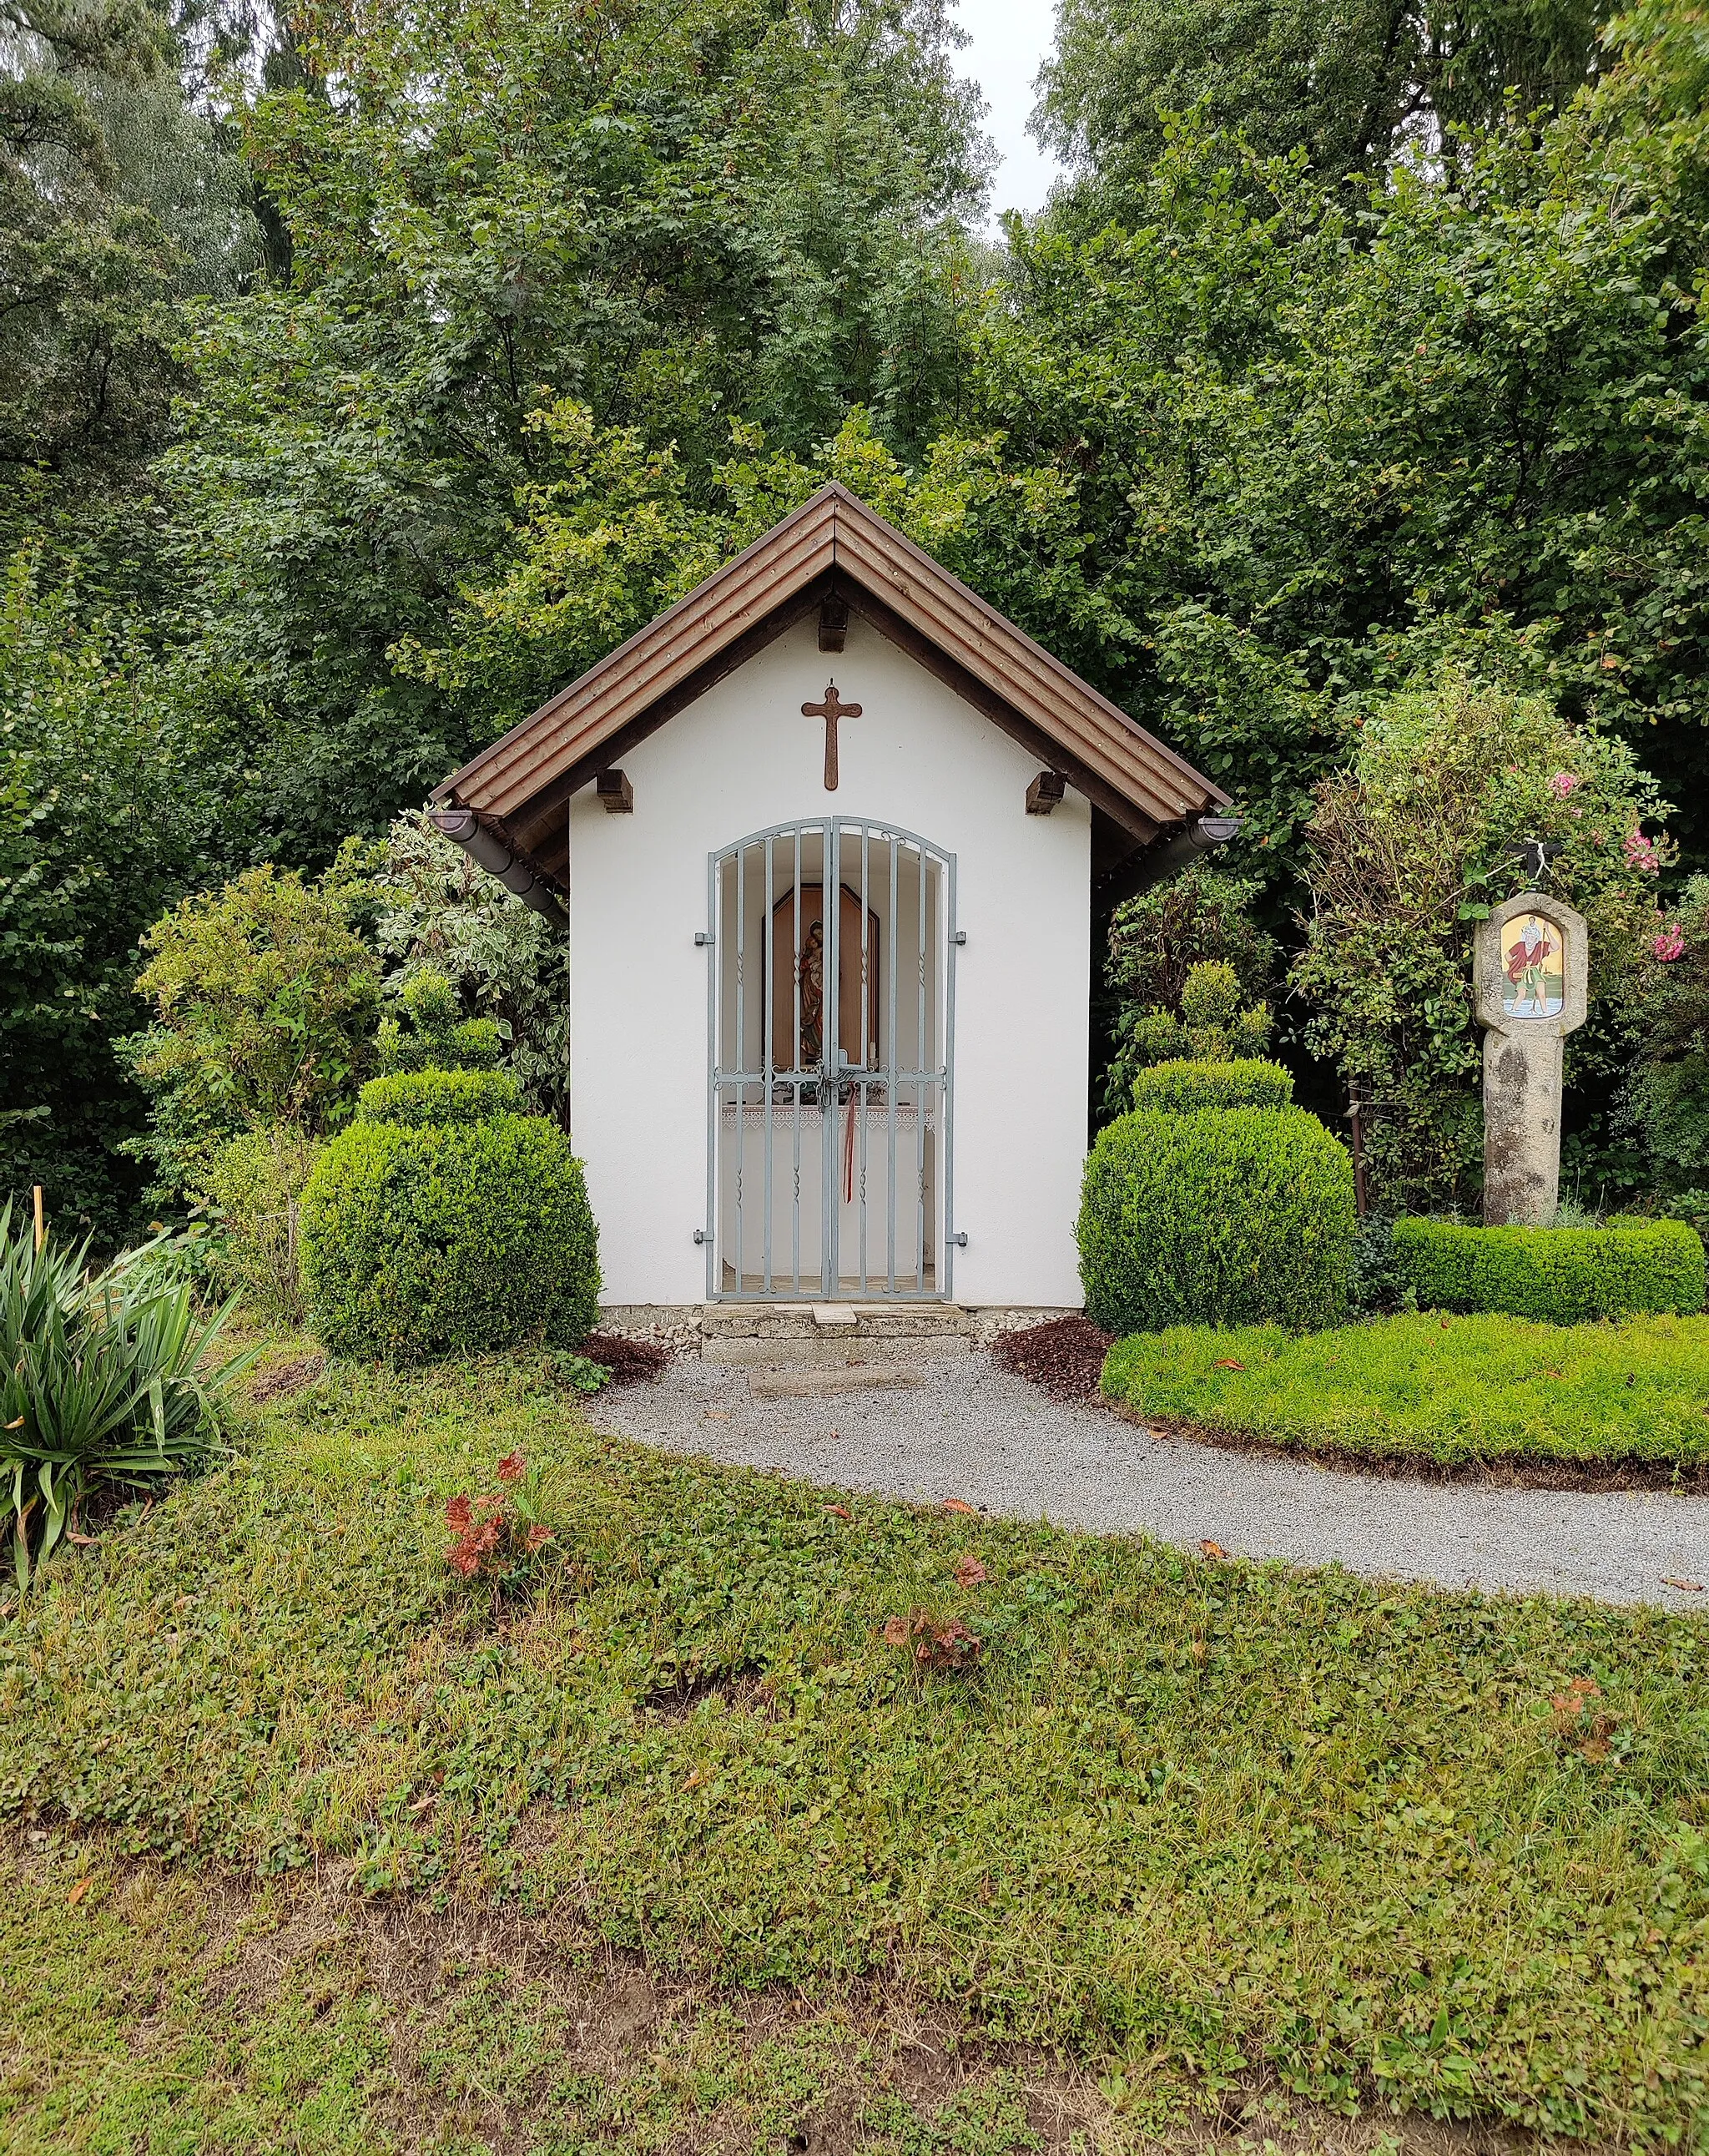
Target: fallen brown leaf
(1213, 1549)
(842, 1512)
(970, 1573)
(896, 1632)
(695, 1779)
(1684, 1586)
(77, 1892)
(1223, 1364)
(18, 1424)
(959, 1504)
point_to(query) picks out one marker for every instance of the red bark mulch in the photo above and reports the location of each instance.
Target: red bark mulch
(1064, 1357)
(630, 1361)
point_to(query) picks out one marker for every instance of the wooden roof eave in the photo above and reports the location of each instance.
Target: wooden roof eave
(524, 778)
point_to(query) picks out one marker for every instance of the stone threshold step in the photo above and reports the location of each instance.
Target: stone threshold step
(825, 1384)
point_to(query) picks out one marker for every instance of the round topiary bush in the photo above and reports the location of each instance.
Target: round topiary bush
(417, 1098)
(1182, 1086)
(425, 1240)
(1231, 1216)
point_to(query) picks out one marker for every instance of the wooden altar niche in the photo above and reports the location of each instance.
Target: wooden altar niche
(788, 960)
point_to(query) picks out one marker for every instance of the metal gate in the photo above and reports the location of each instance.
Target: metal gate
(831, 1041)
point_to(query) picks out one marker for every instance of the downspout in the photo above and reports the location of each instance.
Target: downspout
(1195, 841)
(465, 828)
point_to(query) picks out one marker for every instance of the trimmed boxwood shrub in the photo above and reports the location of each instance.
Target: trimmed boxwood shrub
(1563, 1275)
(1182, 1086)
(1233, 1216)
(447, 1239)
(419, 1097)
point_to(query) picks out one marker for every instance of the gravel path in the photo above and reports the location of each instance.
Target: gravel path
(974, 1432)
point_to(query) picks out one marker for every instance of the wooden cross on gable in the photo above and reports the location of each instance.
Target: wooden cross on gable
(830, 711)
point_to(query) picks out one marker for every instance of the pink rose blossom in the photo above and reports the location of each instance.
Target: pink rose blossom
(1670, 945)
(1641, 853)
(1563, 783)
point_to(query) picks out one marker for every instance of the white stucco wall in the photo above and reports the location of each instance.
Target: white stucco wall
(743, 758)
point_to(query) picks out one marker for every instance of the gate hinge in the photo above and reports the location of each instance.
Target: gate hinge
(703, 936)
(960, 1240)
(960, 936)
(702, 1236)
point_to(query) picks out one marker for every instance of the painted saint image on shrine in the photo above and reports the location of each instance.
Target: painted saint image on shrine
(1533, 967)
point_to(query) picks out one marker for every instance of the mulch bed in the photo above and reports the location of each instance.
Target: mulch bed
(1064, 1357)
(296, 1376)
(630, 1361)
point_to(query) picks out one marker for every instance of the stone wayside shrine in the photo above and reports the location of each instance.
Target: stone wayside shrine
(824, 839)
(1531, 965)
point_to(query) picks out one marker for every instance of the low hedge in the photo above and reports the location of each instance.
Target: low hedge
(1451, 1391)
(449, 1239)
(1182, 1086)
(417, 1098)
(1226, 1217)
(1561, 1275)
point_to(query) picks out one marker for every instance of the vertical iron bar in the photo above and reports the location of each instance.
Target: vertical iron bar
(795, 1064)
(947, 944)
(741, 1048)
(769, 993)
(867, 1057)
(831, 893)
(893, 945)
(715, 946)
(919, 1093)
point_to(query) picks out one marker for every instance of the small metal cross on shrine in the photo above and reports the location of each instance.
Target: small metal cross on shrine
(830, 711)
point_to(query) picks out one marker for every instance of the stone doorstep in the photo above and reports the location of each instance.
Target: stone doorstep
(811, 1384)
(809, 1321)
(829, 1351)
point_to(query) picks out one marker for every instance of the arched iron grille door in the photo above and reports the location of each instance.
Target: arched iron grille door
(830, 1022)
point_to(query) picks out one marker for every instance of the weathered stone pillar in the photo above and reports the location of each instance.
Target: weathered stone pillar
(1531, 967)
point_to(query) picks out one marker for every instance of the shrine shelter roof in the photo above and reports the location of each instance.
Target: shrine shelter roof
(834, 546)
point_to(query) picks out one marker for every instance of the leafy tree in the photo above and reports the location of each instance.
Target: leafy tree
(1350, 82)
(437, 911)
(1667, 1099)
(117, 201)
(120, 789)
(1406, 853)
(262, 996)
(670, 216)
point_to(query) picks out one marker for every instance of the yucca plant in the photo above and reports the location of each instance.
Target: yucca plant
(105, 1379)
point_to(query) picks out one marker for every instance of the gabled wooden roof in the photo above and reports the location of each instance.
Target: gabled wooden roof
(833, 544)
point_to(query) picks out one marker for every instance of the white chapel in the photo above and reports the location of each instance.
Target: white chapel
(824, 839)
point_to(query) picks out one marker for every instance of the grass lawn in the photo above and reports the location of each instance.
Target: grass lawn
(308, 1851)
(1427, 1386)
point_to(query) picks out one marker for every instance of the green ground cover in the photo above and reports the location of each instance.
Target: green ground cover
(1451, 1390)
(1209, 1829)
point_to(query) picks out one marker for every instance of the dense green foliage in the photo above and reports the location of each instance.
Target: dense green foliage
(1214, 1023)
(414, 1098)
(263, 993)
(1666, 1099)
(1406, 852)
(1191, 1820)
(1253, 433)
(425, 1030)
(1564, 1276)
(107, 1381)
(1351, 85)
(1180, 1088)
(251, 1192)
(445, 1238)
(116, 785)
(1226, 1217)
(436, 911)
(1456, 1392)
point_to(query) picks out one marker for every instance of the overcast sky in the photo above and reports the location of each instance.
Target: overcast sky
(1011, 38)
